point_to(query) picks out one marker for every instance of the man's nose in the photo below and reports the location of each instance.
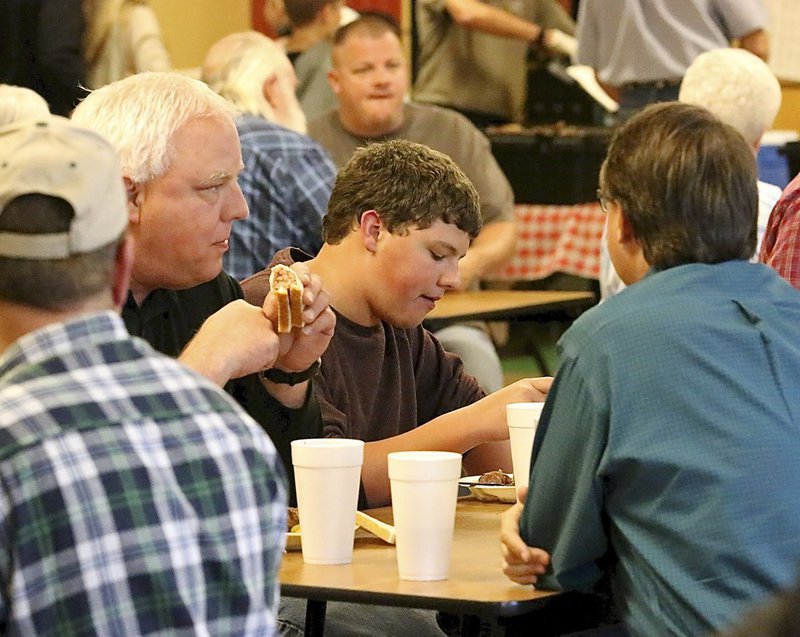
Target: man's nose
(236, 206)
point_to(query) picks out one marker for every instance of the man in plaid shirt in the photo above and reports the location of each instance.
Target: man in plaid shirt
(137, 498)
(781, 246)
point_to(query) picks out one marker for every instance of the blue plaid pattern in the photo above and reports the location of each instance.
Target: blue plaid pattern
(137, 498)
(287, 180)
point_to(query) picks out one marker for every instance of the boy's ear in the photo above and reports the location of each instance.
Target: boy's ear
(370, 229)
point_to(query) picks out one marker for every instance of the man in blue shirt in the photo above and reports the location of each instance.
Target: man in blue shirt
(666, 458)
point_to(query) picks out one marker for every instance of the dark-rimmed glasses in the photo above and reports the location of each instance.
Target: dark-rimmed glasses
(603, 200)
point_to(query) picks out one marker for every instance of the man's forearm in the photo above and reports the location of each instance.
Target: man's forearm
(445, 433)
(472, 14)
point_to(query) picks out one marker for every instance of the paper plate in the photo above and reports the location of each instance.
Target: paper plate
(490, 492)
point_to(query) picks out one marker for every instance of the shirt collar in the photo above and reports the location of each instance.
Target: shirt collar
(60, 338)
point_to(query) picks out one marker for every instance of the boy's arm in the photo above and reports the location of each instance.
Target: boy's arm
(461, 431)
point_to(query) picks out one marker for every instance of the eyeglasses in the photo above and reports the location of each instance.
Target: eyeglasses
(603, 200)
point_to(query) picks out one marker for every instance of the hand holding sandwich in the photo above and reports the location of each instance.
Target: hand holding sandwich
(299, 309)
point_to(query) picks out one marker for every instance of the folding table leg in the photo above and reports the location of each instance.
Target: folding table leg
(315, 618)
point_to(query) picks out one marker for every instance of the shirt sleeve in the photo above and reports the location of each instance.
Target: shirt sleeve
(147, 46)
(480, 166)
(442, 383)
(586, 34)
(563, 511)
(740, 17)
(551, 15)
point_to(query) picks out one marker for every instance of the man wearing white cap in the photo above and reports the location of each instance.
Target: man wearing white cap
(136, 497)
(180, 158)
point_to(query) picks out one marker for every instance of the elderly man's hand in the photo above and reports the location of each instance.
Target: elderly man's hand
(521, 563)
(301, 347)
(234, 341)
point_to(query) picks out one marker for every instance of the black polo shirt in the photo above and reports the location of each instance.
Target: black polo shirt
(168, 319)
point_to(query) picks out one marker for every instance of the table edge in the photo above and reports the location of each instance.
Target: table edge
(499, 608)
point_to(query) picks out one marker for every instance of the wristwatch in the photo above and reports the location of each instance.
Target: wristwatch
(290, 378)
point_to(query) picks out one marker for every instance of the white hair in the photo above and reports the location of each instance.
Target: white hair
(237, 66)
(18, 102)
(140, 114)
(737, 87)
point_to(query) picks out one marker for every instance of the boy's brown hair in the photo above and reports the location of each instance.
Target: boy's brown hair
(408, 184)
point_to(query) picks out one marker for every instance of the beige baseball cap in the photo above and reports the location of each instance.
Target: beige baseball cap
(51, 156)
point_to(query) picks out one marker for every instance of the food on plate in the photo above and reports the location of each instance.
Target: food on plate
(293, 520)
(285, 283)
(498, 478)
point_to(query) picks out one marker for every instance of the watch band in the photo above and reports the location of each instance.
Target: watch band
(290, 378)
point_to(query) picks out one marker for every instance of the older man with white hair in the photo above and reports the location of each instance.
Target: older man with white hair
(287, 177)
(180, 159)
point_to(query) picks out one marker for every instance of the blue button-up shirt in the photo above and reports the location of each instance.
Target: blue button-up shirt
(287, 181)
(667, 453)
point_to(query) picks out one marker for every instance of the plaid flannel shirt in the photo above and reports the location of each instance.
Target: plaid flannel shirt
(137, 498)
(780, 248)
(287, 180)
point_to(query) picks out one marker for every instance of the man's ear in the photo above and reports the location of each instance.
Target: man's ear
(333, 80)
(625, 230)
(636, 265)
(133, 190)
(123, 266)
(370, 228)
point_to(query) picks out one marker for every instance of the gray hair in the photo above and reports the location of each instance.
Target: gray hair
(140, 114)
(737, 87)
(237, 66)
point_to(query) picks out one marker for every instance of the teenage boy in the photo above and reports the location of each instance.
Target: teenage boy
(400, 218)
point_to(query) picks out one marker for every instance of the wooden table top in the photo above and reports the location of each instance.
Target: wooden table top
(507, 304)
(476, 584)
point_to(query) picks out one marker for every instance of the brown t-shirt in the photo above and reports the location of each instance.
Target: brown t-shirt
(378, 382)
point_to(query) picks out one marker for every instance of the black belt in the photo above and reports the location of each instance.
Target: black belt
(656, 84)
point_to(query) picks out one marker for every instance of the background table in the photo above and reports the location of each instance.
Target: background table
(502, 305)
(555, 238)
(554, 171)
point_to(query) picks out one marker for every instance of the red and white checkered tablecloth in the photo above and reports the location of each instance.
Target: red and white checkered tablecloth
(557, 239)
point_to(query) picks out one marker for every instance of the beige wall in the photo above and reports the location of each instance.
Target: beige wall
(789, 115)
(190, 28)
